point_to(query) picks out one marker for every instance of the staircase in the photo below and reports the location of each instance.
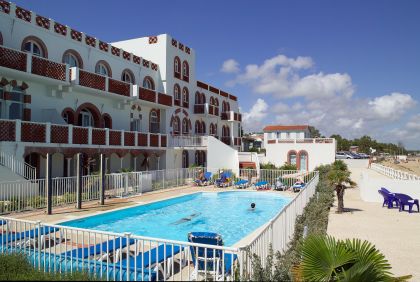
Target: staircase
(18, 167)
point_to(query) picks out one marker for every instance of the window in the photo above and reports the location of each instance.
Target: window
(136, 125)
(1, 36)
(197, 98)
(197, 127)
(1, 102)
(103, 68)
(225, 131)
(177, 92)
(185, 157)
(303, 160)
(154, 121)
(185, 126)
(203, 127)
(177, 66)
(86, 118)
(185, 96)
(291, 157)
(73, 59)
(203, 98)
(148, 83)
(16, 106)
(176, 126)
(33, 48)
(185, 69)
(128, 76)
(68, 116)
(107, 121)
(213, 129)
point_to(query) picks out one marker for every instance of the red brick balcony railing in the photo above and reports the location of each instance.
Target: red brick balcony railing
(165, 100)
(12, 59)
(177, 102)
(47, 68)
(231, 116)
(227, 140)
(147, 95)
(92, 80)
(119, 87)
(22, 131)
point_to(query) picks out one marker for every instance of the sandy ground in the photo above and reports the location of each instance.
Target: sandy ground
(395, 234)
(412, 166)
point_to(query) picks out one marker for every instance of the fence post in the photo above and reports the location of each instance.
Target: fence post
(102, 180)
(48, 183)
(78, 181)
(38, 228)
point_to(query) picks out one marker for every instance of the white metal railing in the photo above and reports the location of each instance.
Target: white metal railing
(394, 173)
(279, 231)
(116, 256)
(19, 167)
(301, 140)
(187, 141)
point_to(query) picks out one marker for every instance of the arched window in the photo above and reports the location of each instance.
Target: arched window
(303, 160)
(185, 126)
(216, 102)
(185, 159)
(128, 76)
(177, 67)
(107, 121)
(103, 68)
(225, 131)
(185, 69)
(203, 98)
(86, 118)
(68, 116)
(212, 101)
(16, 105)
(213, 129)
(197, 158)
(73, 59)
(203, 127)
(1, 39)
(154, 121)
(291, 157)
(176, 126)
(35, 46)
(197, 127)
(197, 98)
(224, 107)
(185, 97)
(177, 92)
(148, 83)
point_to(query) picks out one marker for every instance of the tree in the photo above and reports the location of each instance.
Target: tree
(327, 259)
(314, 132)
(339, 176)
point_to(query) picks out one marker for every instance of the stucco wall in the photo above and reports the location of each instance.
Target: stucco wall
(219, 155)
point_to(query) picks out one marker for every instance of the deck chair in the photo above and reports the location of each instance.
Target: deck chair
(298, 186)
(224, 180)
(262, 185)
(405, 200)
(241, 184)
(209, 262)
(26, 238)
(107, 249)
(152, 261)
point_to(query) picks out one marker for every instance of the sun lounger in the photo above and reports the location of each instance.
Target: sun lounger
(152, 260)
(405, 200)
(279, 185)
(298, 186)
(7, 237)
(224, 180)
(209, 262)
(242, 183)
(262, 185)
(389, 198)
(105, 248)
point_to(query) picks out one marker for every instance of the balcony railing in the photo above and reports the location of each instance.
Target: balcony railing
(34, 132)
(165, 100)
(231, 116)
(303, 140)
(188, 141)
(26, 62)
(200, 108)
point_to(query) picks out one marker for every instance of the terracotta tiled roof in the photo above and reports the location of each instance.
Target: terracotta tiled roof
(285, 127)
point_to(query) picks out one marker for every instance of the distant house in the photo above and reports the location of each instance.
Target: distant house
(354, 149)
(254, 141)
(292, 144)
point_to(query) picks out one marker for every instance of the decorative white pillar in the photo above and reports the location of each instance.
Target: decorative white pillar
(69, 167)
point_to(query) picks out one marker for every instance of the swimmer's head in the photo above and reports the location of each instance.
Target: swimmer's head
(253, 206)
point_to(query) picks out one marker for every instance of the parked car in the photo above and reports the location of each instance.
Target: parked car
(343, 156)
(354, 155)
(364, 156)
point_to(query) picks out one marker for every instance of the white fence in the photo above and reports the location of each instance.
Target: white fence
(393, 173)
(279, 231)
(187, 141)
(112, 256)
(20, 168)
(117, 257)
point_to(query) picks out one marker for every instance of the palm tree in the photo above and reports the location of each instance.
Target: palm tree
(339, 177)
(326, 259)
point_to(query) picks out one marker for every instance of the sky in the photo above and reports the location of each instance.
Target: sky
(346, 67)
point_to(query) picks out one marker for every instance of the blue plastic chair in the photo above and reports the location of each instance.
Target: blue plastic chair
(405, 200)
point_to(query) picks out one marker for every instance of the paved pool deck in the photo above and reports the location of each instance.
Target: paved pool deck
(395, 234)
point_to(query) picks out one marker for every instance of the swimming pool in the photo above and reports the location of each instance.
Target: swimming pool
(226, 213)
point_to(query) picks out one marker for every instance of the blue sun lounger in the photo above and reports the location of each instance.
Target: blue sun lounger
(152, 260)
(105, 247)
(242, 183)
(26, 235)
(262, 185)
(209, 261)
(206, 179)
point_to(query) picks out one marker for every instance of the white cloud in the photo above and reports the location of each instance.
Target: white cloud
(392, 106)
(230, 66)
(252, 120)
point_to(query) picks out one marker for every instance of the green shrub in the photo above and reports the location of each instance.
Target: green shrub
(16, 267)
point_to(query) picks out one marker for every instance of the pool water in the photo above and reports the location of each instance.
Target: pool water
(226, 213)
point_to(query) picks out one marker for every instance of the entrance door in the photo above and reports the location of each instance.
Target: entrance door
(185, 162)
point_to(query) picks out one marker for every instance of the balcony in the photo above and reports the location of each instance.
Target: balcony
(187, 141)
(47, 133)
(231, 116)
(201, 109)
(96, 81)
(27, 63)
(302, 141)
(227, 140)
(165, 100)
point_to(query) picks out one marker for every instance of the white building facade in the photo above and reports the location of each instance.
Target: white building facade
(63, 92)
(291, 144)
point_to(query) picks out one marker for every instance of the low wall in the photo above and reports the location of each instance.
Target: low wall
(369, 187)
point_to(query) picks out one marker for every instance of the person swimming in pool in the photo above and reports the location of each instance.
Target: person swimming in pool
(186, 219)
(252, 206)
